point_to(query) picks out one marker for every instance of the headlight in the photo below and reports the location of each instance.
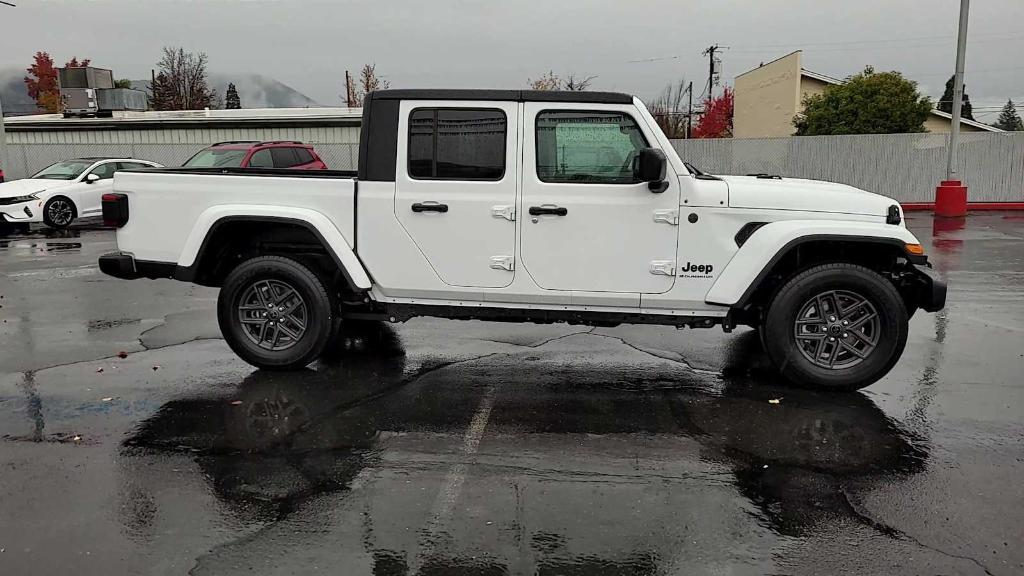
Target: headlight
(19, 199)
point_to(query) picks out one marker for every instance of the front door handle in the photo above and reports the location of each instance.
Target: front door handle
(429, 207)
(553, 210)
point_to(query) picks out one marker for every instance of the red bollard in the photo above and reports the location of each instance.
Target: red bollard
(951, 199)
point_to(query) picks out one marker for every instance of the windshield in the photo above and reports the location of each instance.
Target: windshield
(67, 170)
(217, 158)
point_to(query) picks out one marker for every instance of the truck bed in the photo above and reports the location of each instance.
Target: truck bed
(162, 199)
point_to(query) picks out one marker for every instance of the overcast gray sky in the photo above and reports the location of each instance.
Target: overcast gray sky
(308, 44)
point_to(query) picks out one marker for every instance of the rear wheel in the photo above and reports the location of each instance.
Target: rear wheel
(275, 313)
(59, 212)
(838, 326)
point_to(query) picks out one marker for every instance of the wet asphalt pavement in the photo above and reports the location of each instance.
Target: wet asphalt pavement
(446, 447)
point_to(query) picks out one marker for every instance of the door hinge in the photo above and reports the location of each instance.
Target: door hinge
(663, 267)
(503, 263)
(504, 211)
(670, 216)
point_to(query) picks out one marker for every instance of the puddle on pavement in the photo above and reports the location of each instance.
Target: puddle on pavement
(282, 439)
(62, 246)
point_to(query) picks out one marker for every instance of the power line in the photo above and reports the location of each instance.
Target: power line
(853, 45)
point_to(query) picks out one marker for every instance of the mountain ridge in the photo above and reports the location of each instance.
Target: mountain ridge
(254, 91)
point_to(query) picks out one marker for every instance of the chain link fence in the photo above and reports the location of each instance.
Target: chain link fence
(906, 167)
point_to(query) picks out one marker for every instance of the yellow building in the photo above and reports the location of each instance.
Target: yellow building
(769, 96)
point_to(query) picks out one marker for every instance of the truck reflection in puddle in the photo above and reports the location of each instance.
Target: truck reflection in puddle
(567, 472)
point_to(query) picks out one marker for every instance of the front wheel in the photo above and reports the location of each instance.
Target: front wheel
(837, 326)
(59, 212)
(275, 313)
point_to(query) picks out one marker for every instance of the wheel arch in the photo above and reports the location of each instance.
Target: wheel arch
(200, 260)
(775, 251)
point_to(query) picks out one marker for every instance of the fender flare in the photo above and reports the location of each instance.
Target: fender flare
(337, 246)
(770, 243)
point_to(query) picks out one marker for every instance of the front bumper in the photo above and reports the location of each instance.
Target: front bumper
(930, 295)
(24, 212)
(126, 267)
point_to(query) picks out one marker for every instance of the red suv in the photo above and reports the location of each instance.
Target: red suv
(255, 154)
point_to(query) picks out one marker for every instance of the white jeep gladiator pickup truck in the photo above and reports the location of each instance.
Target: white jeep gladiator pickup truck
(528, 206)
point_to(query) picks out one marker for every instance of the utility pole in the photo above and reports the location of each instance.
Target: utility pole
(951, 194)
(3, 135)
(958, 90)
(348, 90)
(689, 112)
(3, 144)
(712, 68)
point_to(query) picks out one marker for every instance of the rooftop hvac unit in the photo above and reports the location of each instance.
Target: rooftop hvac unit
(121, 99)
(85, 77)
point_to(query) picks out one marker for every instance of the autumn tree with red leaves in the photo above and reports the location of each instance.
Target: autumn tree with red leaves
(716, 122)
(42, 80)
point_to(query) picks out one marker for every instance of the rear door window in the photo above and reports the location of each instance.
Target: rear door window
(457, 143)
(261, 159)
(284, 157)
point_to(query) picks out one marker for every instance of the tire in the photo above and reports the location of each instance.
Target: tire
(859, 352)
(287, 338)
(59, 212)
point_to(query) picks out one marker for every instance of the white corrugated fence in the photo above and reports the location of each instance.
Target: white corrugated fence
(906, 167)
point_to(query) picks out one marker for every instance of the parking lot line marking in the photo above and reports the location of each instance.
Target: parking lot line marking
(51, 273)
(456, 477)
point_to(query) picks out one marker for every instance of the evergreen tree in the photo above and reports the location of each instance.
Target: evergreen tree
(161, 93)
(231, 99)
(1009, 120)
(946, 102)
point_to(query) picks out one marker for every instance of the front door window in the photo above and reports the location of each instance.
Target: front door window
(587, 147)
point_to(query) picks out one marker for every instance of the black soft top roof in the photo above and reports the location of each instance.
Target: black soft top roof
(506, 95)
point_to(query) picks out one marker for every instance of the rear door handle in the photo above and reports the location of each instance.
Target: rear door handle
(429, 207)
(554, 210)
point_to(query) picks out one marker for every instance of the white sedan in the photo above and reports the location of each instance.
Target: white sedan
(61, 192)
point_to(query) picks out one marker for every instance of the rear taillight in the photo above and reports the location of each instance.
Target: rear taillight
(1, 176)
(115, 209)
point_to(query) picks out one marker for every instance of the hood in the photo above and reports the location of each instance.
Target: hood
(27, 186)
(800, 194)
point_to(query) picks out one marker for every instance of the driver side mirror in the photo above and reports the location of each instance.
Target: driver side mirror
(650, 166)
(91, 178)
